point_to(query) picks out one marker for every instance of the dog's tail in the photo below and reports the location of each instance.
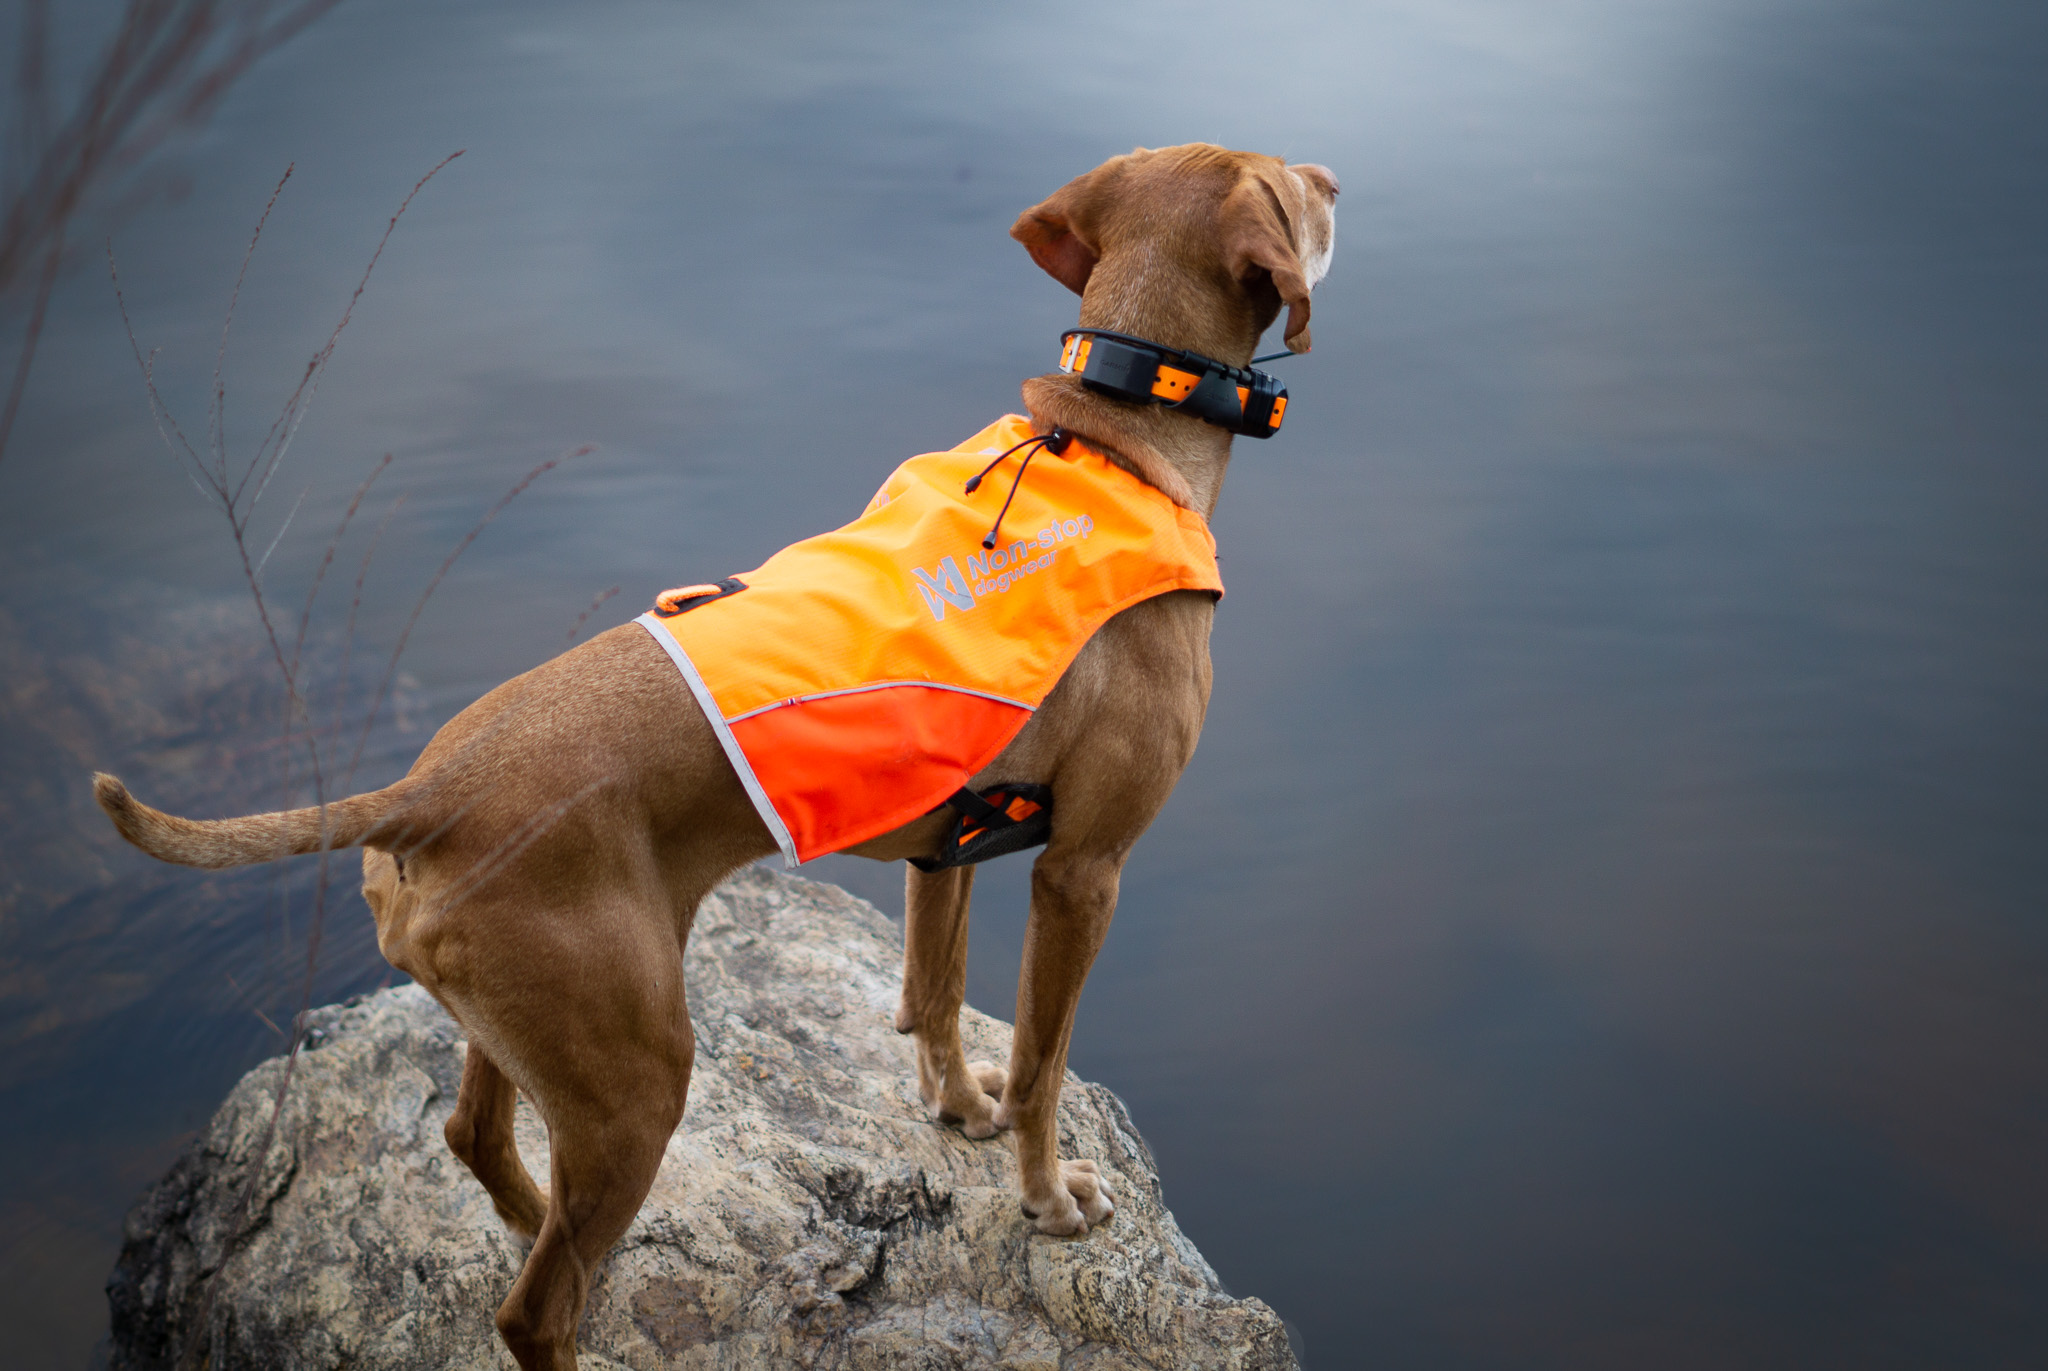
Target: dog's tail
(255, 838)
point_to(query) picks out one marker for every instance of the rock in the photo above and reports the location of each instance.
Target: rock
(807, 1213)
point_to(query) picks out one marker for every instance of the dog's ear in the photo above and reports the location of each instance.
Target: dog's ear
(1060, 231)
(1257, 237)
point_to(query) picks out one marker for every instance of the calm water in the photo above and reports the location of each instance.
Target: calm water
(1604, 926)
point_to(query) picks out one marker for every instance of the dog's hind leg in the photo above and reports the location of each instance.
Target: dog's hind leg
(600, 1171)
(479, 1133)
(595, 1028)
(934, 987)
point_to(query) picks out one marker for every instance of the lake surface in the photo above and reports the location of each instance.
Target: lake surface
(1604, 925)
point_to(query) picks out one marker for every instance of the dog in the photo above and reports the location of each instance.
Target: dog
(538, 868)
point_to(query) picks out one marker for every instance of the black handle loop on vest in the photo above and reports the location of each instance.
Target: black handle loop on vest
(682, 599)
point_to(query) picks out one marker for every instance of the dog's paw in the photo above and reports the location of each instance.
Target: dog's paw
(1081, 1201)
(990, 1077)
(977, 1125)
(971, 1104)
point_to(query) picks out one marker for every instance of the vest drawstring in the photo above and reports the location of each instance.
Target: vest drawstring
(1054, 442)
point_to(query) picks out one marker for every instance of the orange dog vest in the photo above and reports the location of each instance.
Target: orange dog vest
(859, 678)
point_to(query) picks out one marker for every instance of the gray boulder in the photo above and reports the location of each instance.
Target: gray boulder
(807, 1213)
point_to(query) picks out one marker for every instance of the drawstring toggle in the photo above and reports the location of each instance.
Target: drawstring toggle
(1054, 442)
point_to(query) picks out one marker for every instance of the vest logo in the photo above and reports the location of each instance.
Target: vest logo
(942, 586)
(994, 572)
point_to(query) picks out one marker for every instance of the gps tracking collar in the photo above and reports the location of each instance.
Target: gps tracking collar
(1239, 399)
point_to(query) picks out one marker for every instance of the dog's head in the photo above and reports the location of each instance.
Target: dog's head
(1254, 226)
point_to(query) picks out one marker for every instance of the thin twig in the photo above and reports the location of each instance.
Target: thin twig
(264, 560)
(31, 337)
(326, 561)
(249, 1001)
(167, 66)
(301, 399)
(355, 604)
(220, 392)
(391, 668)
(166, 428)
(577, 627)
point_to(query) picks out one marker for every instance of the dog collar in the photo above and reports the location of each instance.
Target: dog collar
(1239, 399)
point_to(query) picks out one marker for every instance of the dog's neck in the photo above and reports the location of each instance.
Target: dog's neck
(1183, 456)
(1178, 453)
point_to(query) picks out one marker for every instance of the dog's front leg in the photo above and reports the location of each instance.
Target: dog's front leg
(955, 1090)
(1072, 898)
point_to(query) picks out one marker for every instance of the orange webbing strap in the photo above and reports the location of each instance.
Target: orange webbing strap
(1174, 385)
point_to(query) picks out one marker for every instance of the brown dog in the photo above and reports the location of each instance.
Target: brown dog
(538, 868)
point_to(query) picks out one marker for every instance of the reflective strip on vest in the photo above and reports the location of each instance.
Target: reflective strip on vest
(864, 675)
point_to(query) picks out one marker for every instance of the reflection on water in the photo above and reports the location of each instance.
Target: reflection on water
(1602, 925)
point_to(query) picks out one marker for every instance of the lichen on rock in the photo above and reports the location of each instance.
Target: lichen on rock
(807, 1213)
